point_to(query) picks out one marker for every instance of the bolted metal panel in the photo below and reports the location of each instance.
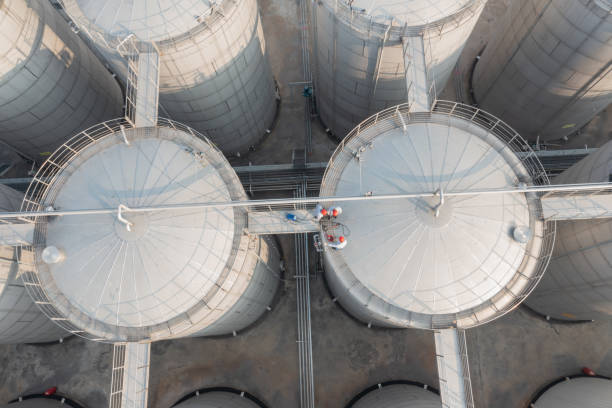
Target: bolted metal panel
(214, 70)
(588, 392)
(170, 274)
(359, 67)
(51, 85)
(548, 70)
(399, 396)
(20, 320)
(411, 266)
(578, 282)
(217, 399)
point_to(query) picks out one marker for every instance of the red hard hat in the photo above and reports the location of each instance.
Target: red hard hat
(323, 211)
(51, 391)
(341, 239)
(330, 237)
(335, 212)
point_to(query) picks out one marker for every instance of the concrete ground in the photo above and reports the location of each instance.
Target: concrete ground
(509, 358)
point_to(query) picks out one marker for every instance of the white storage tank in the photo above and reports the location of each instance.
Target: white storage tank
(214, 70)
(578, 282)
(420, 261)
(548, 70)
(220, 398)
(359, 59)
(51, 85)
(572, 392)
(42, 402)
(173, 273)
(397, 394)
(20, 320)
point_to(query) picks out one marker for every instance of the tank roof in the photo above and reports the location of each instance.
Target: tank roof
(404, 254)
(149, 20)
(577, 392)
(410, 12)
(399, 396)
(170, 262)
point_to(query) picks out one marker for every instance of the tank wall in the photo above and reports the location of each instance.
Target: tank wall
(258, 288)
(216, 78)
(346, 61)
(548, 70)
(399, 396)
(20, 320)
(220, 82)
(51, 84)
(578, 282)
(217, 399)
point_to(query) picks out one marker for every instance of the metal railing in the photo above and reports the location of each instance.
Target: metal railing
(441, 112)
(44, 188)
(364, 23)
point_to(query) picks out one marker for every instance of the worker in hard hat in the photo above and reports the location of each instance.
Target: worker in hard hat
(339, 244)
(319, 212)
(335, 211)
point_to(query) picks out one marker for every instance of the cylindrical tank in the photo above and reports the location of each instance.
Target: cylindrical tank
(51, 85)
(214, 70)
(42, 402)
(359, 58)
(548, 71)
(173, 273)
(572, 392)
(225, 398)
(436, 261)
(578, 282)
(397, 395)
(20, 320)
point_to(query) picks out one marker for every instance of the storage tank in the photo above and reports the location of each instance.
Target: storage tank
(214, 70)
(220, 397)
(42, 402)
(51, 85)
(571, 392)
(152, 275)
(397, 394)
(547, 72)
(434, 261)
(20, 320)
(359, 58)
(578, 282)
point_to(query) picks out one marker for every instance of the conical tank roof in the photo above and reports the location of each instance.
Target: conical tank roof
(410, 12)
(438, 256)
(149, 20)
(170, 270)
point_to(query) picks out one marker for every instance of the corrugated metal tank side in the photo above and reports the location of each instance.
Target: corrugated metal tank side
(51, 85)
(587, 392)
(216, 399)
(260, 286)
(399, 396)
(346, 62)
(20, 320)
(578, 282)
(220, 82)
(548, 71)
(214, 77)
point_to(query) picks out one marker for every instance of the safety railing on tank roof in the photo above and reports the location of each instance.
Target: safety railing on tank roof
(401, 115)
(364, 23)
(43, 186)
